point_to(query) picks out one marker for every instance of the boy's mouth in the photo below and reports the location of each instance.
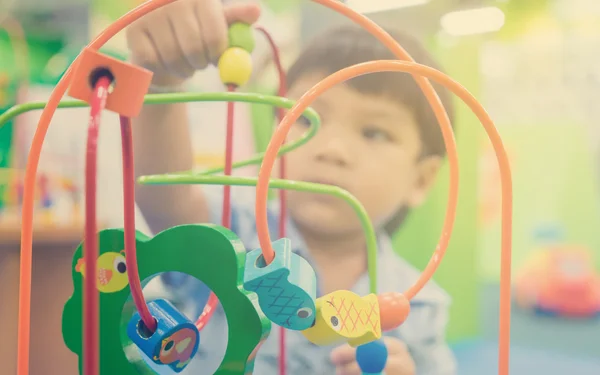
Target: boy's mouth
(325, 182)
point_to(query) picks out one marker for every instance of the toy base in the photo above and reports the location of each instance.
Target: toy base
(540, 311)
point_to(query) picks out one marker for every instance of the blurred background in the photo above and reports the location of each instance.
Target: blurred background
(533, 64)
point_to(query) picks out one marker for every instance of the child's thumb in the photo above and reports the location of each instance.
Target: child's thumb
(246, 13)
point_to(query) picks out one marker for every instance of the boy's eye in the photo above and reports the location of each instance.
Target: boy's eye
(303, 121)
(376, 134)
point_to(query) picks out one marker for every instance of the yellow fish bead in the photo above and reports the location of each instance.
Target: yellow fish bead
(343, 316)
(235, 66)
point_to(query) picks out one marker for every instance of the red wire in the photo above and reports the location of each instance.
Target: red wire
(226, 217)
(282, 92)
(91, 329)
(279, 66)
(211, 304)
(208, 311)
(209, 308)
(129, 223)
(91, 354)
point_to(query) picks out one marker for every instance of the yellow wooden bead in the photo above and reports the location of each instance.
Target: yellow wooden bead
(343, 316)
(235, 66)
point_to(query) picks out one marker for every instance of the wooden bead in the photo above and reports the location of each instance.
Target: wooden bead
(235, 66)
(286, 288)
(175, 341)
(394, 308)
(241, 36)
(343, 316)
(372, 357)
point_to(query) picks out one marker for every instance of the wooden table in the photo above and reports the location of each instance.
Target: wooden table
(53, 250)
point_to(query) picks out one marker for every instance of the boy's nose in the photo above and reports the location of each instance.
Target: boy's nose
(334, 151)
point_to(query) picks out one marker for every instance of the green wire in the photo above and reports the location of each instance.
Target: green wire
(204, 179)
(207, 177)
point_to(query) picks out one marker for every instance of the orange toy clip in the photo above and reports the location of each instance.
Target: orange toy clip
(130, 82)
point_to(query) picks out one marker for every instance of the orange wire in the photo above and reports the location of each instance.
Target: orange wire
(506, 180)
(282, 92)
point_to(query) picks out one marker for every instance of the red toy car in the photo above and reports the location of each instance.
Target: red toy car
(561, 282)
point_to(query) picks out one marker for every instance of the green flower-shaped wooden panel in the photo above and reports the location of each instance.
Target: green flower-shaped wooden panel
(212, 254)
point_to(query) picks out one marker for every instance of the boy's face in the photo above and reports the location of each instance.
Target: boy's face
(367, 145)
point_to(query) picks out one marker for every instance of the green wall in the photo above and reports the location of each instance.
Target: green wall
(417, 240)
(38, 54)
(555, 171)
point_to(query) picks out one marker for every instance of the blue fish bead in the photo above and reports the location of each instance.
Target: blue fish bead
(175, 341)
(286, 288)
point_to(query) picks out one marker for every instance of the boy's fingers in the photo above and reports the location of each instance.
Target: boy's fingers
(142, 51)
(168, 51)
(348, 369)
(395, 346)
(400, 366)
(246, 13)
(186, 27)
(343, 355)
(213, 32)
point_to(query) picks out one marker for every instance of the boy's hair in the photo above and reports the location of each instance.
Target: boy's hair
(349, 45)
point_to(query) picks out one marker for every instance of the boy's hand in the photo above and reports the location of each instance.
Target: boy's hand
(181, 38)
(399, 361)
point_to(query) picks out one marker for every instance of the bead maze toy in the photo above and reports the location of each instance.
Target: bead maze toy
(107, 321)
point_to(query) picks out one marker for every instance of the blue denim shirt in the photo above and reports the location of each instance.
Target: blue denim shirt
(423, 331)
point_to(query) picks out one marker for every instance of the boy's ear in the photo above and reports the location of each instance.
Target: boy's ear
(426, 173)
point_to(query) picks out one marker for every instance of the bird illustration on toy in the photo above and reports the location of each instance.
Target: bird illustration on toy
(111, 271)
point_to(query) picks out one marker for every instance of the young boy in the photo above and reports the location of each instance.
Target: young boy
(379, 140)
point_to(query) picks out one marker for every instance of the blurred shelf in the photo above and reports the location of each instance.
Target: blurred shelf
(10, 235)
